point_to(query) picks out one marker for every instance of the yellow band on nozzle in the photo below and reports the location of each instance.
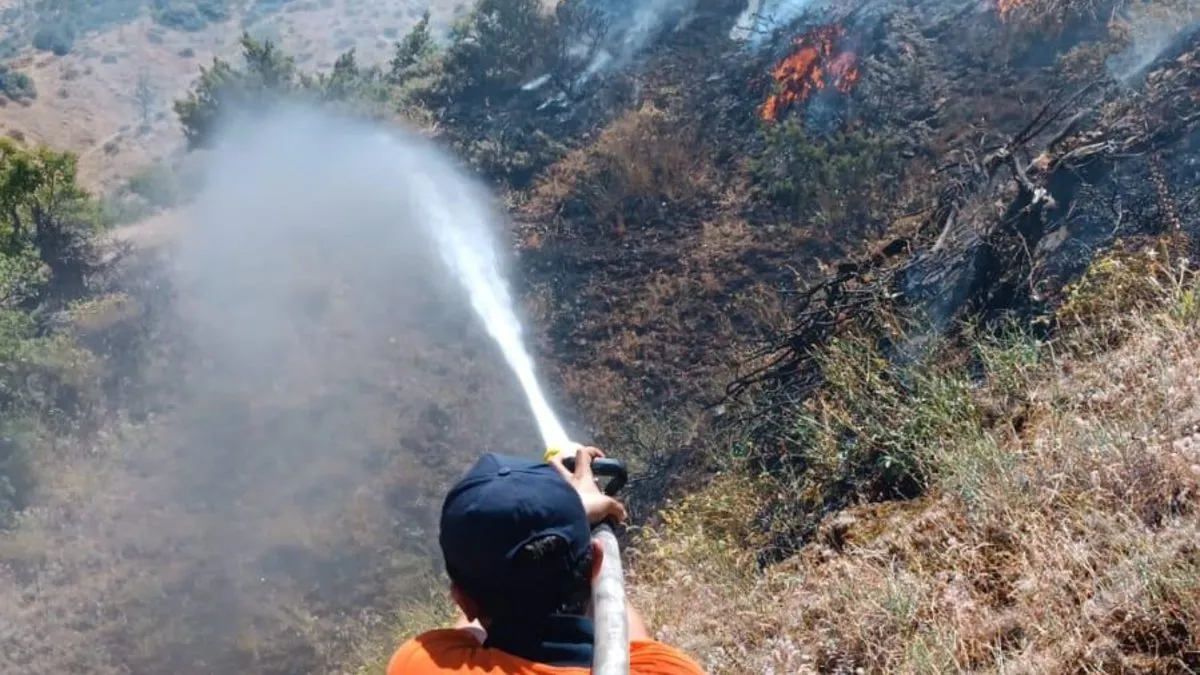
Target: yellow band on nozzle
(554, 450)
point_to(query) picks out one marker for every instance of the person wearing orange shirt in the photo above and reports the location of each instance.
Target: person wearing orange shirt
(516, 539)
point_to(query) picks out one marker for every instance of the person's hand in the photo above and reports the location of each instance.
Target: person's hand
(598, 505)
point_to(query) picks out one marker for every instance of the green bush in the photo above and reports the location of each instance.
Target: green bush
(213, 10)
(57, 38)
(16, 479)
(262, 9)
(157, 185)
(10, 46)
(15, 84)
(845, 176)
(190, 15)
(491, 52)
(180, 16)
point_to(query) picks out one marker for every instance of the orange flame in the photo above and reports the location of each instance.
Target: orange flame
(812, 65)
(1005, 7)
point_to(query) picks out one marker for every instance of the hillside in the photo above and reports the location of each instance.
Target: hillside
(892, 306)
(90, 99)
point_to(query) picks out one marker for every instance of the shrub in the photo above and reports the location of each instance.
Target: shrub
(180, 16)
(43, 380)
(213, 10)
(15, 84)
(849, 175)
(190, 15)
(1108, 302)
(492, 50)
(638, 162)
(157, 185)
(56, 38)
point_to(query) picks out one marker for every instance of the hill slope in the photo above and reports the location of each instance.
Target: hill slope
(865, 304)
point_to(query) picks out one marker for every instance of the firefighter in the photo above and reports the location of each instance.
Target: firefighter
(516, 539)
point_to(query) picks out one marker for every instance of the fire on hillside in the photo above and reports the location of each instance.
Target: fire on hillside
(819, 59)
(1004, 7)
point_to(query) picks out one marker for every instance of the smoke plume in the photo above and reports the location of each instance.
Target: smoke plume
(632, 26)
(1150, 35)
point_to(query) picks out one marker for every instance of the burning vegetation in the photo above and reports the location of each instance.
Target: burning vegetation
(1005, 7)
(819, 59)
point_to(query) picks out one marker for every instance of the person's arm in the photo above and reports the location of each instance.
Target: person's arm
(600, 506)
(637, 626)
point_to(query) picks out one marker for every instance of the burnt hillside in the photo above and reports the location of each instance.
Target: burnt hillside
(745, 250)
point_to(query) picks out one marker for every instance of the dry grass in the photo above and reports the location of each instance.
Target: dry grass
(638, 161)
(1057, 533)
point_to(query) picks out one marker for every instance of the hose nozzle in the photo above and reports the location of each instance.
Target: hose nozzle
(605, 467)
(567, 447)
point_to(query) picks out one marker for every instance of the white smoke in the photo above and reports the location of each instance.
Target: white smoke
(632, 26)
(1150, 35)
(761, 18)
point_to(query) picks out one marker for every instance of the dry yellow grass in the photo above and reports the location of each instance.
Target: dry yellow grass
(1061, 539)
(639, 160)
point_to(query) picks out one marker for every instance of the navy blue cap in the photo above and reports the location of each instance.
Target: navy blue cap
(501, 505)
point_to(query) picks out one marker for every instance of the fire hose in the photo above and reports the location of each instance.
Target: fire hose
(610, 654)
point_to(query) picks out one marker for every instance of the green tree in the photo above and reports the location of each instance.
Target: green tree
(493, 50)
(412, 51)
(44, 210)
(47, 224)
(224, 90)
(342, 82)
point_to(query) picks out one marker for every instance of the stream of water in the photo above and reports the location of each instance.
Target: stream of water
(463, 223)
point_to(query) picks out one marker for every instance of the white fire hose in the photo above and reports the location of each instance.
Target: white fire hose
(610, 654)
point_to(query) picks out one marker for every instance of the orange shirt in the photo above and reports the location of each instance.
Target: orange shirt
(456, 651)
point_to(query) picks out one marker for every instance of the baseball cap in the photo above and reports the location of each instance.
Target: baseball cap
(499, 506)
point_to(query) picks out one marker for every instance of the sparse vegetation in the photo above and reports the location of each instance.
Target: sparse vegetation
(145, 95)
(16, 85)
(1051, 534)
(845, 176)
